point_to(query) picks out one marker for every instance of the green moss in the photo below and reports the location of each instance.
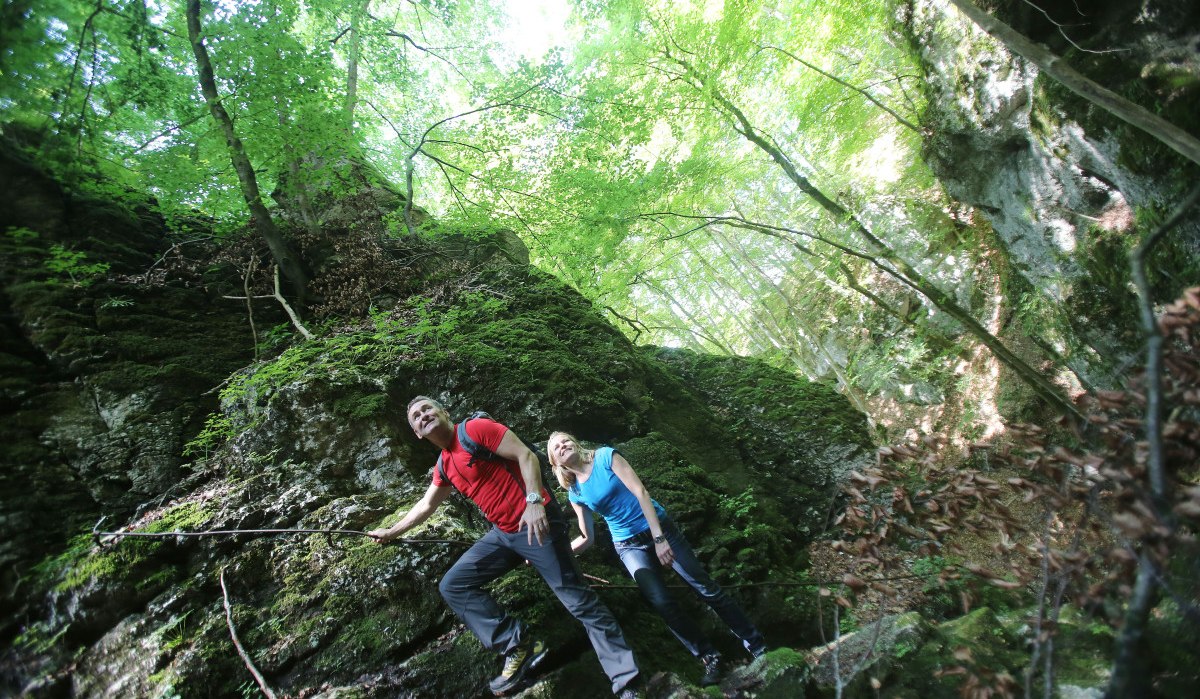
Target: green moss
(992, 647)
(122, 560)
(1083, 650)
(74, 566)
(359, 406)
(40, 637)
(747, 391)
(452, 668)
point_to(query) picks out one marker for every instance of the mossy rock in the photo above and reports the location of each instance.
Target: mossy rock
(798, 439)
(782, 673)
(880, 651)
(978, 641)
(1083, 650)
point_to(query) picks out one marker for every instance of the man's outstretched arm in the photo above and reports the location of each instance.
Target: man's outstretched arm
(420, 512)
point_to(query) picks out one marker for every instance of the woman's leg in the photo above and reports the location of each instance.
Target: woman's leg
(690, 569)
(639, 560)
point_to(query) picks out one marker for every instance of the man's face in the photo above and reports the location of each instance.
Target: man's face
(424, 417)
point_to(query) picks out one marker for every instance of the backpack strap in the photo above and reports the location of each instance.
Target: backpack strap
(475, 449)
(441, 471)
(482, 453)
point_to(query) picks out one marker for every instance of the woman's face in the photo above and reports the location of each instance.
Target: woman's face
(563, 450)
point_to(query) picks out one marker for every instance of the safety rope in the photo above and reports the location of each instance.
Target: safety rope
(602, 583)
(104, 539)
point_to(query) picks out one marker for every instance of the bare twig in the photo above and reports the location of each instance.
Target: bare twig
(262, 682)
(249, 306)
(287, 307)
(1062, 30)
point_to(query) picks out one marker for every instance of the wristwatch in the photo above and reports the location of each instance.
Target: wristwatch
(532, 498)
(659, 539)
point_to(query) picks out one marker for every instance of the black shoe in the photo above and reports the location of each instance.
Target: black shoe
(516, 665)
(712, 669)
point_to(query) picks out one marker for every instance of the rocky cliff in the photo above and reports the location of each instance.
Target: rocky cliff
(135, 397)
(1067, 188)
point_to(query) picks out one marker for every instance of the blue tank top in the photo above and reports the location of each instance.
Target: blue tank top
(604, 492)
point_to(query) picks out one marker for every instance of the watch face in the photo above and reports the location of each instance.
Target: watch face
(532, 498)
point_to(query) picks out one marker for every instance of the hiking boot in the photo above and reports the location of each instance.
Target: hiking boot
(516, 665)
(712, 669)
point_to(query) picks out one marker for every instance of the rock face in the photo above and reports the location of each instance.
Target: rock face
(104, 397)
(1067, 187)
(103, 381)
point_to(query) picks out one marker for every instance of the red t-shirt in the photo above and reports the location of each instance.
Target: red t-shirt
(495, 486)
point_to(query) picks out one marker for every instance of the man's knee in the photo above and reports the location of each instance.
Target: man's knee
(450, 587)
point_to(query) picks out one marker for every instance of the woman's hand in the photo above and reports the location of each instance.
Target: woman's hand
(666, 555)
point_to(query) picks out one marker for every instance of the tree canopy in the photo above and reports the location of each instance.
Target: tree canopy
(739, 177)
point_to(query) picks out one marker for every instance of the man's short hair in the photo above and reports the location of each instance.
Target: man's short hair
(437, 404)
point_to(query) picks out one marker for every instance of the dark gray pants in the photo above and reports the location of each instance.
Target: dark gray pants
(496, 554)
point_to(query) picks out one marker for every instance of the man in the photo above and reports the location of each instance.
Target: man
(509, 492)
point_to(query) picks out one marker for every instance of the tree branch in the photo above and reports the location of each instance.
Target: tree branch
(637, 325)
(1154, 340)
(903, 122)
(1130, 642)
(291, 313)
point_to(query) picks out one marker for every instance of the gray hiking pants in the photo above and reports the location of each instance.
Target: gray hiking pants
(498, 553)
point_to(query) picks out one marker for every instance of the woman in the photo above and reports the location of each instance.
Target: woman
(602, 481)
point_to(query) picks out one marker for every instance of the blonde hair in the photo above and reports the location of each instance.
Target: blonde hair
(565, 476)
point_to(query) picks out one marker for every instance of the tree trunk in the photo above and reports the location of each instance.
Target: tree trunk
(281, 250)
(352, 65)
